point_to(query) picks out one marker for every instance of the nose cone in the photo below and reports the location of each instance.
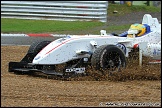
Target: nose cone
(37, 59)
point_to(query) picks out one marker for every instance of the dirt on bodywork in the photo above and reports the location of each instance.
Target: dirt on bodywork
(132, 86)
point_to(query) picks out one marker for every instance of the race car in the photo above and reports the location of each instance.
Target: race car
(72, 54)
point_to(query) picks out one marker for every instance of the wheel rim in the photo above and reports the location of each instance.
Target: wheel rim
(112, 61)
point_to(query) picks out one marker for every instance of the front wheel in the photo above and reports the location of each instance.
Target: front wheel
(108, 57)
(34, 49)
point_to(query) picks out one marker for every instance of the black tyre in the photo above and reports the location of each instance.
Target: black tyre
(108, 57)
(34, 49)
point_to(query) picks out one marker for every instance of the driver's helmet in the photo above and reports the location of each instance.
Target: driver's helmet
(140, 27)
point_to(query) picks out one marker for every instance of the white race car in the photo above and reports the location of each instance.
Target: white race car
(72, 54)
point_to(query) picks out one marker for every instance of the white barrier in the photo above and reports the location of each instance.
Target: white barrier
(56, 10)
(33, 35)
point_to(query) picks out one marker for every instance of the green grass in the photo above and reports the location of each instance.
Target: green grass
(124, 9)
(119, 27)
(41, 26)
(60, 27)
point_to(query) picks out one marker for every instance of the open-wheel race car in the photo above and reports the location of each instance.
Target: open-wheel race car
(73, 54)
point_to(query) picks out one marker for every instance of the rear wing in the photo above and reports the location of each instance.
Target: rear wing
(152, 22)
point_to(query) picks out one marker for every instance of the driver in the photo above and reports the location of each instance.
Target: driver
(140, 27)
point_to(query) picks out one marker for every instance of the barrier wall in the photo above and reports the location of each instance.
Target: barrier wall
(56, 10)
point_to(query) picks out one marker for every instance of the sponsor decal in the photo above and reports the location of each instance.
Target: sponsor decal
(121, 46)
(157, 52)
(77, 70)
(36, 58)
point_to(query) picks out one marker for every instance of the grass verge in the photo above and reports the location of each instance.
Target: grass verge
(41, 26)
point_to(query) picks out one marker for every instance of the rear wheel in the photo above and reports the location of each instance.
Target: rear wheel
(108, 57)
